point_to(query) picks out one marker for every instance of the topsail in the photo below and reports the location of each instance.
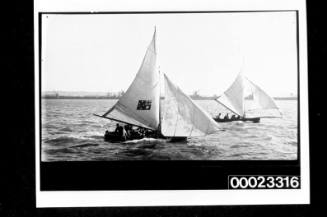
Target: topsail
(140, 104)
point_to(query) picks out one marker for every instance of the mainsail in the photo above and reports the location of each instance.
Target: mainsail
(234, 97)
(140, 104)
(181, 117)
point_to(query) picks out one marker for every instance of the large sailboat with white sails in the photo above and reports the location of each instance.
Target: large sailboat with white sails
(176, 116)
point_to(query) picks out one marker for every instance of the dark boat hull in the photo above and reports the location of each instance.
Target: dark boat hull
(112, 137)
(178, 139)
(254, 120)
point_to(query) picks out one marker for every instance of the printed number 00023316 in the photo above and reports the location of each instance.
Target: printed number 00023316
(263, 182)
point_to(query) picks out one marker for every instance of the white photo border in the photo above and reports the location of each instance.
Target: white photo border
(179, 197)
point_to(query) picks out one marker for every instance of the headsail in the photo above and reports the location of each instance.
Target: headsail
(181, 116)
(233, 97)
(140, 104)
(261, 99)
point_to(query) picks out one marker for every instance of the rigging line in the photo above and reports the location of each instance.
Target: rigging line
(179, 114)
(176, 125)
(192, 121)
(259, 88)
(227, 107)
(110, 110)
(159, 127)
(125, 110)
(124, 122)
(268, 117)
(253, 97)
(208, 125)
(178, 108)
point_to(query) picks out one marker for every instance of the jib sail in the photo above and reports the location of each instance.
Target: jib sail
(181, 117)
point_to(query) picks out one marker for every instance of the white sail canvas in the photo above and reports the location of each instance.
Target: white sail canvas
(261, 99)
(233, 97)
(140, 104)
(181, 117)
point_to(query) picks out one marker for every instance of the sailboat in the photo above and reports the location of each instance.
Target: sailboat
(176, 116)
(235, 96)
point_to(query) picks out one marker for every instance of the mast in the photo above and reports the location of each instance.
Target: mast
(159, 125)
(243, 94)
(160, 117)
(120, 121)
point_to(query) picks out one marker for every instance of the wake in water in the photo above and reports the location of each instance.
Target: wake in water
(84, 145)
(144, 140)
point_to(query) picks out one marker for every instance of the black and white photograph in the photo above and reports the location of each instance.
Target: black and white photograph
(207, 86)
(172, 96)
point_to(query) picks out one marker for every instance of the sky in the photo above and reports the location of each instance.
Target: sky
(198, 52)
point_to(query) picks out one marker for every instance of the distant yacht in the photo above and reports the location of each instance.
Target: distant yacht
(234, 100)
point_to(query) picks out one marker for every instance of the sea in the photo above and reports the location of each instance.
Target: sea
(70, 132)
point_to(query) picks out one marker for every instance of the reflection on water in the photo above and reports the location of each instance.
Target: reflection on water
(71, 133)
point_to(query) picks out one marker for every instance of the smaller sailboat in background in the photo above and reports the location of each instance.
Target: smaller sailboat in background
(235, 97)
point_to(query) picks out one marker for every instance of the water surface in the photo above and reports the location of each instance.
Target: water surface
(71, 133)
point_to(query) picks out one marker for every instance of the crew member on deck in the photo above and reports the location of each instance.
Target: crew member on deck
(123, 134)
(218, 116)
(226, 117)
(141, 132)
(117, 129)
(106, 133)
(127, 130)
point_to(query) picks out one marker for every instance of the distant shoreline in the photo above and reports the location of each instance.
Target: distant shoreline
(106, 97)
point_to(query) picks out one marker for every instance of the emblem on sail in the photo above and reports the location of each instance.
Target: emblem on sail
(144, 105)
(176, 116)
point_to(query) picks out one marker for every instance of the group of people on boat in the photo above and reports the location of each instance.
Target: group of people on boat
(228, 117)
(128, 132)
